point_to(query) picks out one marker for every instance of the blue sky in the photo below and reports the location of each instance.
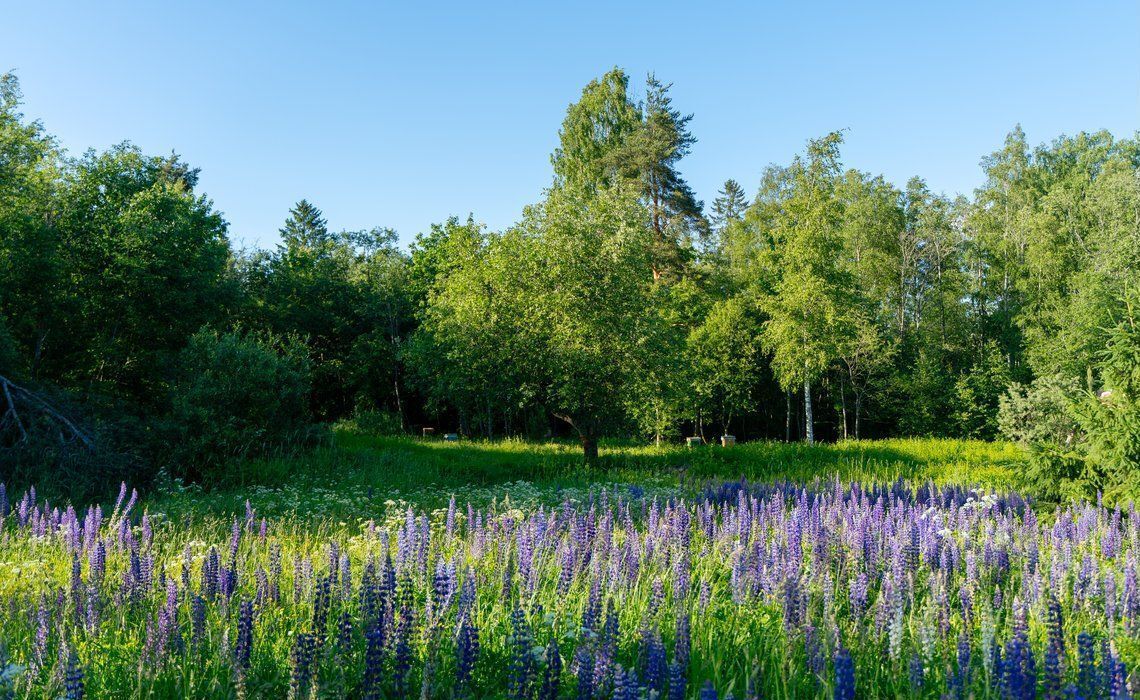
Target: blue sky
(387, 114)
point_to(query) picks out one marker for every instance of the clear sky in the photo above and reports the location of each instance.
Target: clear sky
(400, 114)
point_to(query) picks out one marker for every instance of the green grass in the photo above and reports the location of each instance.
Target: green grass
(361, 474)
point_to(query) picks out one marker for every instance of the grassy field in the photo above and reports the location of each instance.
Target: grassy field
(391, 567)
(360, 472)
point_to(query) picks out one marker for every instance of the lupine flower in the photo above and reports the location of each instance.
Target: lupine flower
(244, 645)
(466, 656)
(373, 665)
(552, 674)
(844, 675)
(521, 662)
(301, 662)
(73, 684)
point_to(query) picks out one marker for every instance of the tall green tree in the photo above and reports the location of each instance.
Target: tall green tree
(808, 313)
(729, 205)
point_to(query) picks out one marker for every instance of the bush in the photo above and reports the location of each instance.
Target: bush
(239, 396)
(376, 422)
(1039, 412)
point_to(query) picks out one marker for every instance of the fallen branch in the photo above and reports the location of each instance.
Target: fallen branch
(14, 394)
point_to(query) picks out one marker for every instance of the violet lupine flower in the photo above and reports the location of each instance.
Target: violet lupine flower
(344, 633)
(1087, 674)
(708, 692)
(521, 661)
(466, 655)
(844, 688)
(373, 665)
(1020, 667)
(321, 602)
(1054, 650)
(655, 665)
(73, 678)
(917, 674)
(5, 507)
(40, 641)
(244, 645)
(678, 680)
(552, 675)
(403, 652)
(301, 665)
(197, 621)
(584, 667)
(210, 569)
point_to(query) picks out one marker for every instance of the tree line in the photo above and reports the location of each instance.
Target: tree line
(829, 304)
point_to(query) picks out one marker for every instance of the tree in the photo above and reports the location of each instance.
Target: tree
(346, 295)
(808, 312)
(595, 127)
(650, 157)
(724, 354)
(729, 205)
(306, 227)
(147, 260)
(607, 139)
(32, 278)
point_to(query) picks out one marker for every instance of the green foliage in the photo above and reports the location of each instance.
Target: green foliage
(978, 394)
(238, 396)
(1039, 413)
(724, 354)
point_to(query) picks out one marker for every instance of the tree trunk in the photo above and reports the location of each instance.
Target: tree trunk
(843, 404)
(788, 415)
(589, 448)
(808, 427)
(858, 412)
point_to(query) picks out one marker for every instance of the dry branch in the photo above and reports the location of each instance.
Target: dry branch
(19, 399)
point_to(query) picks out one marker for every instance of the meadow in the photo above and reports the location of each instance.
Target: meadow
(392, 567)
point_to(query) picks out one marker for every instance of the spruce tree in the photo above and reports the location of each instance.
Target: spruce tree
(305, 227)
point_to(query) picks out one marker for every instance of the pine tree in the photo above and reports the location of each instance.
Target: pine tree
(651, 157)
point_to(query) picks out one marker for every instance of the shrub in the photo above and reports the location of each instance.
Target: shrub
(238, 396)
(1039, 412)
(373, 422)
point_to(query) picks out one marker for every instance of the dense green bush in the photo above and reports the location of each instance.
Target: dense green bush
(238, 396)
(1085, 441)
(371, 422)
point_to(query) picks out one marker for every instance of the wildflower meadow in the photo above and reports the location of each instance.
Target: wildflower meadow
(784, 589)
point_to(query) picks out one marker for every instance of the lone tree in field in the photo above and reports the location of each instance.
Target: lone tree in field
(808, 311)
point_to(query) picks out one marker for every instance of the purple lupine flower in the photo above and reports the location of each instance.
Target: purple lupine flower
(584, 665)
(917, 674)
(301, 665)
(1087, 674)
(244, 644)
(682, 642)
(1020, 667)
(521, 663)
(1054, 650)
(403, 652)
(844, 688)
(655, 664)
(708, 692)
(210, 568)
(73, 678)
(321, 602)
(197, 621)
(466, 655)
(678, 680)
(40, 641)
(552, 675)
(373, 665)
